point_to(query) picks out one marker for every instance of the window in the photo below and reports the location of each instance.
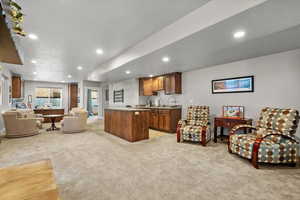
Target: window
(50, 97)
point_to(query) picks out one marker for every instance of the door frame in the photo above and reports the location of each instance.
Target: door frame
(85, 101)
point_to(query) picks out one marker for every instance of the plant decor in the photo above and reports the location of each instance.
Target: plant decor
(17, 17)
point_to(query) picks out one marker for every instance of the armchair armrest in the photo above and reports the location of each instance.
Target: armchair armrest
(279, 134)
(259, 140)
(180, 124)
(69, 119)
(237, 127)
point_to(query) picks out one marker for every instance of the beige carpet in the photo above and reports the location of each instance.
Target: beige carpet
(95, 166)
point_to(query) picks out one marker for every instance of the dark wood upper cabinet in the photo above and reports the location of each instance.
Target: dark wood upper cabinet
(16, 87)
(173, 83)
(146, 88)
(158, 83)
(73, 95)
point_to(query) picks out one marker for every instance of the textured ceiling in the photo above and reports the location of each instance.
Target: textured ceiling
(70, 31)
(271, 27)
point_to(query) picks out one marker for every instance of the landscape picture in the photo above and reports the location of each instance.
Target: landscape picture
(233, 85)
(233, 111)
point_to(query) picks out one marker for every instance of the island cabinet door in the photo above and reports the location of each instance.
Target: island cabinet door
(107, 121)
(117, 122)
(140, 126)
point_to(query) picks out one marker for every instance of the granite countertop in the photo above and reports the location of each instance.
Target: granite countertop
(166, 107)
(127, 109)
(163, 107)
(144, 108)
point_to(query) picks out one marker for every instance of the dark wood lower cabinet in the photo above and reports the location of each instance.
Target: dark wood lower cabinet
(131, 125)
(165, 119)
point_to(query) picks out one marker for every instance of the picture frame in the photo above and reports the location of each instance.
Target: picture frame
(235, 112)
(241, 84)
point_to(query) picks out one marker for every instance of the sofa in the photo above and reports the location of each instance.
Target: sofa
(196, 127)
(272, 140)
(75, 122)
(16, 125)
(29, 113)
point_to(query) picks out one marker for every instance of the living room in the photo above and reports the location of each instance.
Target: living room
(164, 100)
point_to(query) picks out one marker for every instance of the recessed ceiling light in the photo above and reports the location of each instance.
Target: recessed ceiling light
(165, 59)
(150, 75)
(34, 61)
(99, 51)
(69, 76)
(33, 36)
(79, 68)
(239, 34)
(63, 81)
(128, 72)
(35, 73)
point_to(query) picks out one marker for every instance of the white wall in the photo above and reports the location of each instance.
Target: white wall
(6, 75)
(277, 81)
(131, 92)
(105, 103)
(30, 86)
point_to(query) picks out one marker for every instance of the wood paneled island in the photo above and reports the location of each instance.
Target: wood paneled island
(127, 123)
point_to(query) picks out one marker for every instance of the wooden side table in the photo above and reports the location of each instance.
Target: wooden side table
(53, 119)
(229, 123)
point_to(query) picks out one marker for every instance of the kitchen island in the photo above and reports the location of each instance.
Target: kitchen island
(131, 124)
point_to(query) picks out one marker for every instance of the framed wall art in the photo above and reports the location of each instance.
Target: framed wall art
(233, 85)
(119, 96)
(233, 112)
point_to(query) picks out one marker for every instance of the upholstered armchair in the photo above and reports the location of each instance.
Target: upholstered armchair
(196, 127)
(18, 126)
(29, 113)
(271, 141)
(75, 122)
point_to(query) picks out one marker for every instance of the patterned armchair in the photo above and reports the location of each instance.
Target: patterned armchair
(196, 127)
(272, 141)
